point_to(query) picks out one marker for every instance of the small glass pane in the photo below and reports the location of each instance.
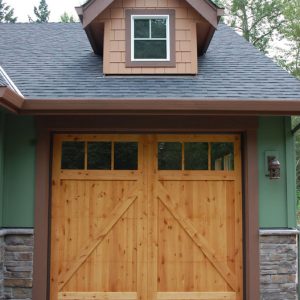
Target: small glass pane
(196, 156)
(72, 156)
(150, 49)
(141, 28)
(169, 156)
(158, 28)
(222, 156)
(99, 156)
(126, 156)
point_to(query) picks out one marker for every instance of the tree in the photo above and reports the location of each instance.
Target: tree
(257, 20)
(6, 13)
(65, 18)
(42, 13)
(290, 57)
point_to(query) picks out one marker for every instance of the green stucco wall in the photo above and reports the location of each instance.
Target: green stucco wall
(277, 198)
(17, 167)
(18, 171)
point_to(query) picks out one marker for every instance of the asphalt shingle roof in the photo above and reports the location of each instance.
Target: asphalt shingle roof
(3, 81)
(56, 61)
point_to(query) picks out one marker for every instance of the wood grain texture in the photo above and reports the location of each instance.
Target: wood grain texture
(97, 296)
(146, 234)
(196, 296)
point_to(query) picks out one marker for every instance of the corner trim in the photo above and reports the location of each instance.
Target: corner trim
(251, 237)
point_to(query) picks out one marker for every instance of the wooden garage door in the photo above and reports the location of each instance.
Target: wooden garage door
(146, 217)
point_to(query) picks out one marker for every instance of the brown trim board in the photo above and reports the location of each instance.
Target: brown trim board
(169, 63)
(47, 125)
(255, 107)
(206, 8)
(251, 215)
(41, 215)
(155, 106)
(10, 99)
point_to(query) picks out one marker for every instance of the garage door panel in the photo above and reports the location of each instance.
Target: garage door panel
(107, 243)
(121, 228)
(209, 237)
(115, 256)
(182, 266)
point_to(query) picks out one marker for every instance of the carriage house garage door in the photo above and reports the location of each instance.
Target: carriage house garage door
(146, 217)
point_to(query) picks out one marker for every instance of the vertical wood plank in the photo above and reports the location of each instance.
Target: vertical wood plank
(152, 220)
(149, 249)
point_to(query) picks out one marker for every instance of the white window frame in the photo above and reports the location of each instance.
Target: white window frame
(167, 39)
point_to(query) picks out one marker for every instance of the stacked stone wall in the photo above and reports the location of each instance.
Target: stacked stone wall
(278, 265)
(16, 264)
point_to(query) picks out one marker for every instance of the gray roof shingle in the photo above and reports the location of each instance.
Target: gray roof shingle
(55, 60)
(2, 81)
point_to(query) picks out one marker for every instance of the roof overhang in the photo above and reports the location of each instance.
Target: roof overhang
(10, 100)
(248, 107)
(209, 12)
(89, 11)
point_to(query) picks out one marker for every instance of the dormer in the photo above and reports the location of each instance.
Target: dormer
(150, 36)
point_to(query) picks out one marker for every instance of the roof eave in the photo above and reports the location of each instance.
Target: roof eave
(10, 99)
(89, 11)
(253, 107)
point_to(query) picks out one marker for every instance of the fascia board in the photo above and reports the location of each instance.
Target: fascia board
(206, 9)
(10, 99)
(156, 106)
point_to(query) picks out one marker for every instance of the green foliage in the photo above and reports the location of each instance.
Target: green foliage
(6, 13)
(42, 13)
(218, 3)
(290, 57)
(267, 22)
(65, 18)
(257, 20)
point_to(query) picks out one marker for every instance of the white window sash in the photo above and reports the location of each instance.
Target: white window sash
(167, 39)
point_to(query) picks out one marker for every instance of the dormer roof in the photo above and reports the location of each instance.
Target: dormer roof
(89, 11)
(208, 10)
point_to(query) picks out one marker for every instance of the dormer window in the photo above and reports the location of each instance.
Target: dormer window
(150, 38)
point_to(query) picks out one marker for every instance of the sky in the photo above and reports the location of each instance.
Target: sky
(23, 8)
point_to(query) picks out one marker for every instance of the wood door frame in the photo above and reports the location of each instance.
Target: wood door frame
(49, 125)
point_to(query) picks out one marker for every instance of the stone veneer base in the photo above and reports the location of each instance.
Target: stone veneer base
(16, 262)
(278, 264)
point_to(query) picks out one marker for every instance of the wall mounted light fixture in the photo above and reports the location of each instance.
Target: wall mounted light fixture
(272, 165)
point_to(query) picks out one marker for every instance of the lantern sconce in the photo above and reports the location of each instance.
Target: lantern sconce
(272, 165)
